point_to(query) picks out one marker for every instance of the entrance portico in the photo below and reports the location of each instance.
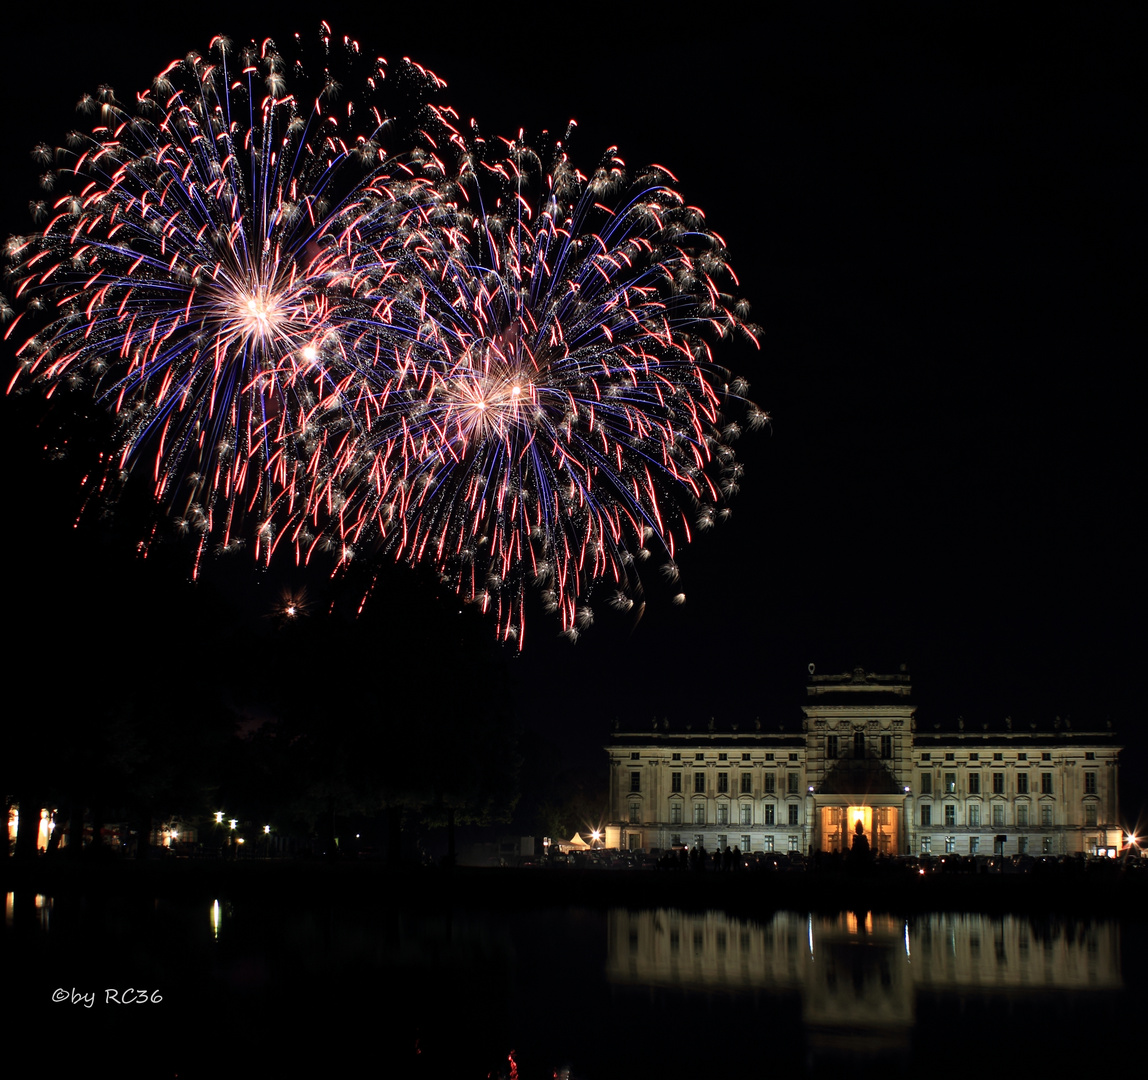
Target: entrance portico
(836, 824)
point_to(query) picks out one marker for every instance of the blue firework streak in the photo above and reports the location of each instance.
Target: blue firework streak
(195, 275)
(549, 410)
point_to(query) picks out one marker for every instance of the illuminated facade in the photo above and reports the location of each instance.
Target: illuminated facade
(857, 756)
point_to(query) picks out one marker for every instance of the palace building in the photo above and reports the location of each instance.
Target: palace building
(858, 756)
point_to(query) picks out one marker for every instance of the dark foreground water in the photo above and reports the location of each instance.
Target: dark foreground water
(381, 986)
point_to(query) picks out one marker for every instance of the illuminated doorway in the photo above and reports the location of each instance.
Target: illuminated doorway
(879, 824)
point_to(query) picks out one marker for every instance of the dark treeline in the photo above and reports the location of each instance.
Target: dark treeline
(142, 696)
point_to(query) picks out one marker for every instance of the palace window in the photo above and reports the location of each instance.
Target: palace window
(974, 844)
(723, 757)
(1046, 783)
(998, 757)
(792, 757)
(723, 814)
(1046, 816)
(746, 814)
(886, 746)
(1089, 756)
(926, 815)
(926, 757)
(675, 757)
(635, 813)
(676, 781)
(858, 744)
(676, 813)
(974, 815)
(769, 818)
(974, 783)
(974, 757)
(699, 783)
(950, 844)
(635, 781)
(745, 757)
(793, 812)
(950, 757)
(770, 783)
(792, 780)
(831, 746)
(926, 844)
(1022, 757)
(1046, 756)
(723, 783)
(793, 843)
(1090, 815)
(699, 813)
(1046, 846)
(1022, 783)
(926, 783)
(767, 843)
(745, 844)
(1021, 844)
(998, 815)
(950, 814)
(1090, 783)
(699, 757)
(746, 783)
(635, 755)
(768, 757)
(998, 783)
(722, 841)
(1021, 815)
(950, 783)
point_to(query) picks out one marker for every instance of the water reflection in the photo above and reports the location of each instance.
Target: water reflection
(27, 908)
(860, 976)
(799, 991)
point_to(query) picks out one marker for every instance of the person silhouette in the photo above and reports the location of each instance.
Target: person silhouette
(859, 854)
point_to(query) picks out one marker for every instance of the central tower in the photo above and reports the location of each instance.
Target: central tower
(858, 731)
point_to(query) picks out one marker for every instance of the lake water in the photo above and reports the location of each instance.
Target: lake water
(257, 987)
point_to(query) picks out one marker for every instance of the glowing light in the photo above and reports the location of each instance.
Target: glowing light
(553, 412)
(495, 366)
(201, 260)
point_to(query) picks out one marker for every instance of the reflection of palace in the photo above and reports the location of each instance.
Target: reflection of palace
(938, 951)
(859, 757)
(859, 976)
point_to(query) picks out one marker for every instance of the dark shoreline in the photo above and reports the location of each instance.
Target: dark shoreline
(290, 883)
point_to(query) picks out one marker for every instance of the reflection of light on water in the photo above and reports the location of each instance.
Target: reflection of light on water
(216, 919)
(43, 905)
(856, 925)
(947, 951)
(860, 999)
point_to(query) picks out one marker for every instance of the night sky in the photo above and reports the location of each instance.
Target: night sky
(936, 212)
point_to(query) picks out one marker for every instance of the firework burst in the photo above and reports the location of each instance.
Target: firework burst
(549, 410)
(194, 276)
